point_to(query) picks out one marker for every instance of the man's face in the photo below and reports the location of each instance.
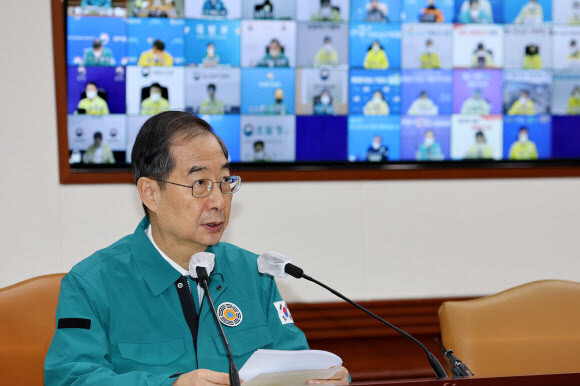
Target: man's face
(91, 89)
(211, 92)
(480, 140)
(199, 222)
(98, 141)
(274, 49)
(431, 2)
(279, 94)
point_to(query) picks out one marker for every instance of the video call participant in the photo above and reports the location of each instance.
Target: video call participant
(431, 14)
(376, 12)
(532, 58)
(523, 148)
(574, 18)
(278, 107)
(480, 150)
(120, 320)
(98, 152)
(323, 104)
(474, 13)
(376, 57)
(274, 56)
(476, 104)
(574, 102)
(98, 55)
(211, 105)
(326, 12)
(156, 56)
(327, 55)
(211, 59)
(429, 149)
(377, 152)
(100, 6)
(482, 57)
(260, 154)
(214, 8)
(524, 105)
(92, 104)
(154, 103)
(264, 11)
(429, 59)
(377, 105)
(573, 57)
(423, 105)
(155, 8)
(531, 13)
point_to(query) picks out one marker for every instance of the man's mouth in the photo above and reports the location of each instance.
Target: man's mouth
(213, 226)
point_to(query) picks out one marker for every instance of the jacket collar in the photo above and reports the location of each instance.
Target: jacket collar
(156, 271)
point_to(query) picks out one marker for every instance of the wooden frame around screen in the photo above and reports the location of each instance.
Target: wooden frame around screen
(312, 173)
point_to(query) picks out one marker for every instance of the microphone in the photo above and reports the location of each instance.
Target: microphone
(278, 265)
(200, 265)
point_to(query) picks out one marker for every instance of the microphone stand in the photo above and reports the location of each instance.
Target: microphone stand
(439, 371)
(458, 368)
(203, 278)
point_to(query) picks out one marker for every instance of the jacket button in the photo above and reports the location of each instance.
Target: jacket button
(219, 287)
(179, 285)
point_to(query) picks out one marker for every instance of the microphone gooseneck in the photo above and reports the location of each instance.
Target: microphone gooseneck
(203, 279)
(278, 265)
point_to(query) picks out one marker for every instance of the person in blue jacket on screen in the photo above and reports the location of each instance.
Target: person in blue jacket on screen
(214, 8)
(130, 314)
(323, 103)
(474, 14)
(98, 55)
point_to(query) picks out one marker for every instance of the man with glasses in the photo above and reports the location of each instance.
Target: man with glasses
(131, 315)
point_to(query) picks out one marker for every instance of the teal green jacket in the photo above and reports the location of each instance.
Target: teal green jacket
(138, 334)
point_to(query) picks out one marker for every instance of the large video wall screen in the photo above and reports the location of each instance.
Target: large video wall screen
(319, 81)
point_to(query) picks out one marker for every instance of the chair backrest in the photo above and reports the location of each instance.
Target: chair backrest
(27, 321)
(530, 329)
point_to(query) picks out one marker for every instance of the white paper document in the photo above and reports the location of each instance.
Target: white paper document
(282, 367)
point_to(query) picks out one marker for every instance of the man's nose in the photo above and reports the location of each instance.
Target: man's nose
(216, 199)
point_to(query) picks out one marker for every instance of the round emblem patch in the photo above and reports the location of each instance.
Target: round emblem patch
(229, 314)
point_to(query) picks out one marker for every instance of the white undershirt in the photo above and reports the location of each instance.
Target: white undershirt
(178, 267)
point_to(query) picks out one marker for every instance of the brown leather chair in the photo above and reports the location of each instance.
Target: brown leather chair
(530, 329)
(27, 320)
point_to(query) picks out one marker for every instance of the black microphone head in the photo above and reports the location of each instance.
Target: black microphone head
(294, 271)
(201, 273)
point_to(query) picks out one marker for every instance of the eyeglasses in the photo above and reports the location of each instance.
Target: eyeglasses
(203, 188)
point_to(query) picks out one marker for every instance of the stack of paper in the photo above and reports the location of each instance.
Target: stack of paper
(280, 367)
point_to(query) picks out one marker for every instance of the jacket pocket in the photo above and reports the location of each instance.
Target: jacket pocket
(155, 353)
(244, 341)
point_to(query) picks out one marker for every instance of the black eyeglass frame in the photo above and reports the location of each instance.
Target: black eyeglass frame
(210, 189)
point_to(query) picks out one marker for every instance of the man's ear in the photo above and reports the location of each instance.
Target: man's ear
(149, 191)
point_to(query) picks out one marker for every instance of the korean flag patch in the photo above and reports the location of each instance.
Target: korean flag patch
(283, 312)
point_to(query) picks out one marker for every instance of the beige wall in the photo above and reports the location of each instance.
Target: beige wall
(369, 239)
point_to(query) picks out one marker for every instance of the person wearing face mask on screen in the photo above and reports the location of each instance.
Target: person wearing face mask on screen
(155, 103)
(99, 152)
(156, 56)
(476, 104)
(431, 14)
(423, 106)
(480, 150)
(574, 102)
(474, 14)
(377, 152)
(377, 105)
(323, 104)
(274, 56)
(326, 12)
(376, 12)
(429, 149)
(92, 104)
(211, 59)
(376, 57)
(327, 55)
(429, 58)
(278, 107)
(524, 105)
(98, 55)
(531, 13)
(523, 148)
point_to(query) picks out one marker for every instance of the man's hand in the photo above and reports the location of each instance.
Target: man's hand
(340, 378)
(202, 377)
